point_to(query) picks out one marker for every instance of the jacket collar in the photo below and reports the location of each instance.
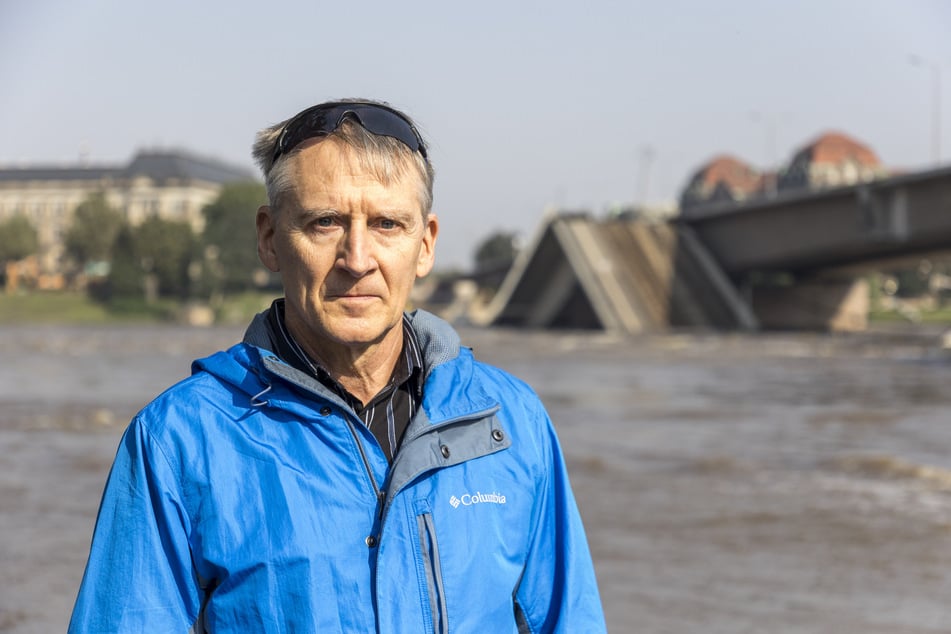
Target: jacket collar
(438, 341)
(449, 392)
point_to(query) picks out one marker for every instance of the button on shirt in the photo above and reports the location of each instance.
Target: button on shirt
(388, 413)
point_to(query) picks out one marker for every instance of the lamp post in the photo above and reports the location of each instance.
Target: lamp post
(935, 69)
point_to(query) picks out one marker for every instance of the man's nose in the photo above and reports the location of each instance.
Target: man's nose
(356, 255)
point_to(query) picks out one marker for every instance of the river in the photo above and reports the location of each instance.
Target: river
(728, 483)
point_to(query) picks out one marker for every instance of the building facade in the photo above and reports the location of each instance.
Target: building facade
(724, 178)
(172, 185)
(833, 159)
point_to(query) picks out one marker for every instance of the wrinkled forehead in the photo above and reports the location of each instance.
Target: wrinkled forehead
(327, 162)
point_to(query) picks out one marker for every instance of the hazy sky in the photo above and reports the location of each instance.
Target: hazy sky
(527, 105)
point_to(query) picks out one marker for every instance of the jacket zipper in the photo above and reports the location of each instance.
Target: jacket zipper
(378, 493)
(429, 549)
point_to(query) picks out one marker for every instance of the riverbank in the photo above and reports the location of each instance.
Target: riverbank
(65, 308)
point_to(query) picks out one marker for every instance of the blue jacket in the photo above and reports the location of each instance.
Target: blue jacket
(249, 498)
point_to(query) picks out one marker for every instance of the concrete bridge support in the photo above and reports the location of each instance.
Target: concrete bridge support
(620, 275)
(829, 302)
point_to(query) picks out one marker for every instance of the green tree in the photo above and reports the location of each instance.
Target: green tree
(126, 277)
(152, 259)
(165, 249)
(230, 239)
(496, 251)
(18, 239)
(92, 233)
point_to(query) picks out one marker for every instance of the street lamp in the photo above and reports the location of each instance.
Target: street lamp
(935, 68)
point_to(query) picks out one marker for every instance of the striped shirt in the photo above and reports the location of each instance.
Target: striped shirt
(388, 413)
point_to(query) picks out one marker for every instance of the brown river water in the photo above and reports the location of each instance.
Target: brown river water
(732, 483)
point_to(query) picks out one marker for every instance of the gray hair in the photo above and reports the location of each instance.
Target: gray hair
(385, 157)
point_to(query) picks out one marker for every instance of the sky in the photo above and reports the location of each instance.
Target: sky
(528, 107)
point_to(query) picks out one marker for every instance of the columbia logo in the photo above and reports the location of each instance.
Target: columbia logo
(468, 499)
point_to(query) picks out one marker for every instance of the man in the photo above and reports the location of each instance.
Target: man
(348, 467)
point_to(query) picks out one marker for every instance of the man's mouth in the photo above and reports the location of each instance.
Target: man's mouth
(352, 296)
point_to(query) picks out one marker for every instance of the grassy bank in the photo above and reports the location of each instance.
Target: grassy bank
(932, 316)
(51, 308)
(77, 308)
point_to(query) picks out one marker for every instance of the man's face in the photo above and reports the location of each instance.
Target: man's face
(348, 248)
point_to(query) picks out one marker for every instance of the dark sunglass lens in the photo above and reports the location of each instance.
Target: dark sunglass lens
(386, 123)
(322, 120)
(316, 122)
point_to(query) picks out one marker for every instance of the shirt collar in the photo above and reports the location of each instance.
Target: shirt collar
(291, 352)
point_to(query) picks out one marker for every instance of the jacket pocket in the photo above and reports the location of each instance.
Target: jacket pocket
(432, 573)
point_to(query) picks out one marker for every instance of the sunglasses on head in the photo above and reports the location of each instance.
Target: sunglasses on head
(324, 118)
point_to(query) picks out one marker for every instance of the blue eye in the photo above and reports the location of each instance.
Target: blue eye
(326, 221)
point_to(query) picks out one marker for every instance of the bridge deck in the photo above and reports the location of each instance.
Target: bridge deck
(847, 226)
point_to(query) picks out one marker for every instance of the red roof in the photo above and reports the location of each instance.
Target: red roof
(836, 148)
(730, 171)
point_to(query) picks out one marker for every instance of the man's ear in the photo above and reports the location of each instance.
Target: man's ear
(265, 222)
(427, 251)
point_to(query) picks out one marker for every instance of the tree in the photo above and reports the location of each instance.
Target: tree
(496, 251)
(126, 278)
(153, 258)
(230, 239)
(165, 249)
(18, 239)
(92, 233)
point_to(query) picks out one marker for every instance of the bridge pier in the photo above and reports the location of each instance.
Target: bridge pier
(830, 302)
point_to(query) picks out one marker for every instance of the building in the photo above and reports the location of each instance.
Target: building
(724, 178)
(173, 185)
(832, 160)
